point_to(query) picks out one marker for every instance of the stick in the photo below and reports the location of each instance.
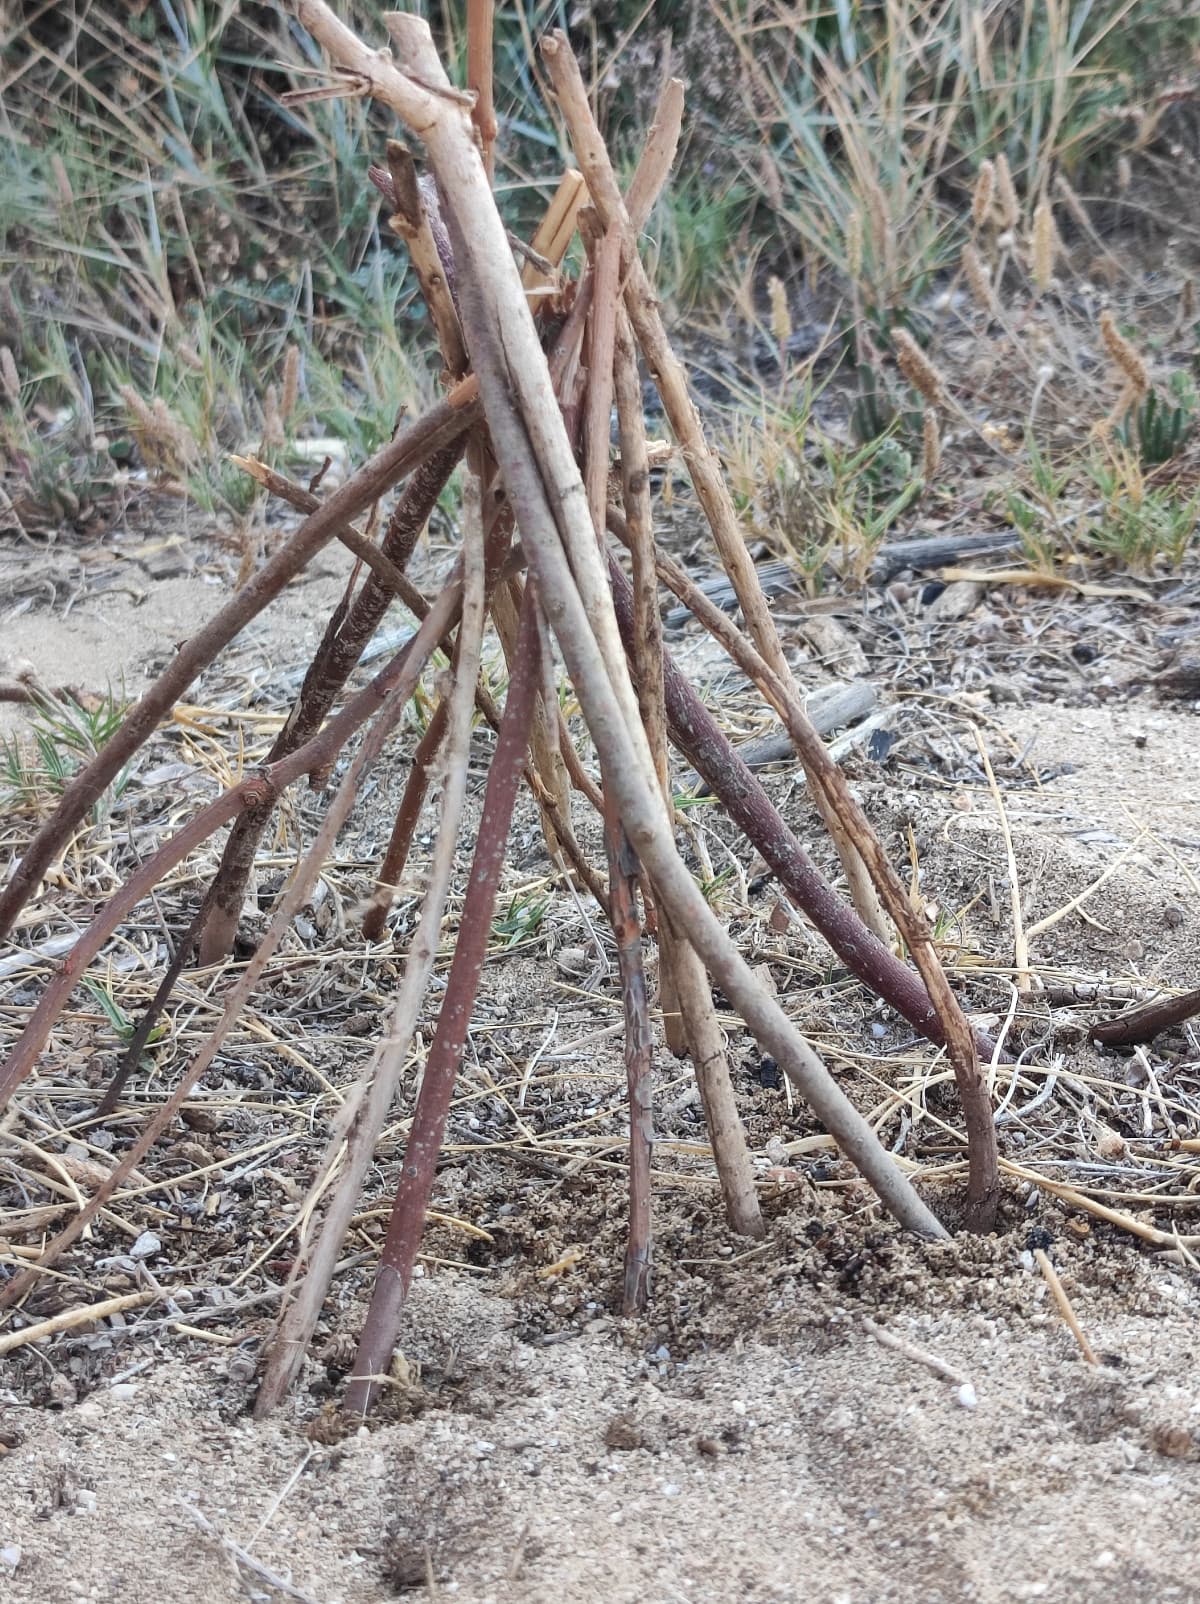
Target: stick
(706, 1044)
(417, 1175)
(696, 734)
(639, 1057)
(1058, 1291)
(409, 811)
(1138, 1025)
(555, 230)
(605, 256)
(68, 1319)
(411, 221)
(279, 1584)
(376, 1092)
(689, 1016)
(909, 1350)
(481, 18)
(983, 1183)
(346, 635)
(442, 424)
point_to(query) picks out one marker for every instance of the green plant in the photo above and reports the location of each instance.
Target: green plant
(1155, 429)
(1139, 525)
(123, 1028)
(1035, 508)
(869, 121)
(63, 735)
(713, 889)
(522, 920)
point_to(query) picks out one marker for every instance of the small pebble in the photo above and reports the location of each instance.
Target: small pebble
(146, 1246)
(967, 1396)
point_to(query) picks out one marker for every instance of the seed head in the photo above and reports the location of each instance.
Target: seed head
(981, 201)
(916, 367)
(1124, 356)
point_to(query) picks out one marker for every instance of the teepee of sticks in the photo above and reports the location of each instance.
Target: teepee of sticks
(534, 366)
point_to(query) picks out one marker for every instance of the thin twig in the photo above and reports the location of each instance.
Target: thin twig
(1058, 1291)
(247, 1561)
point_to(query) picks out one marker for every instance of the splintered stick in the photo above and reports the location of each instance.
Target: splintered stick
(411, 222)
(553, 234)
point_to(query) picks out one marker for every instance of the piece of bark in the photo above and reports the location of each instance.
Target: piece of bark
(833, 707)
(935, 551)
(834, 646)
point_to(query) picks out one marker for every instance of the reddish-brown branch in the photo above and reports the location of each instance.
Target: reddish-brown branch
(407, 1222)
(441, 425)
(405, 824)
(481, 17)
(983, 1167)
(698, 737)
(345, 639)
(1143, 1024)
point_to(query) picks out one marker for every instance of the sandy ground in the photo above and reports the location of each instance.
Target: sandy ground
(817, 1463)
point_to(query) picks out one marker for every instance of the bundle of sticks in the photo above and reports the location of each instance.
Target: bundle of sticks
(534, 365)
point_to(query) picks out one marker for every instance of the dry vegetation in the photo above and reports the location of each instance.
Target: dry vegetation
(930, 267)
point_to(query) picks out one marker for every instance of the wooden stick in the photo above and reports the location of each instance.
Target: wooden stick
(345, 638)
(1143, 1024)
(481, 19)
(983, 1185)
(698, 737)
(376, 1093)
(419, 1170)
(411, 221)
(909, 1350)
(605, 256)
(415, 789)
(639, 1056)
(1059, 1293)
(689, 1017)
(555, 230)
